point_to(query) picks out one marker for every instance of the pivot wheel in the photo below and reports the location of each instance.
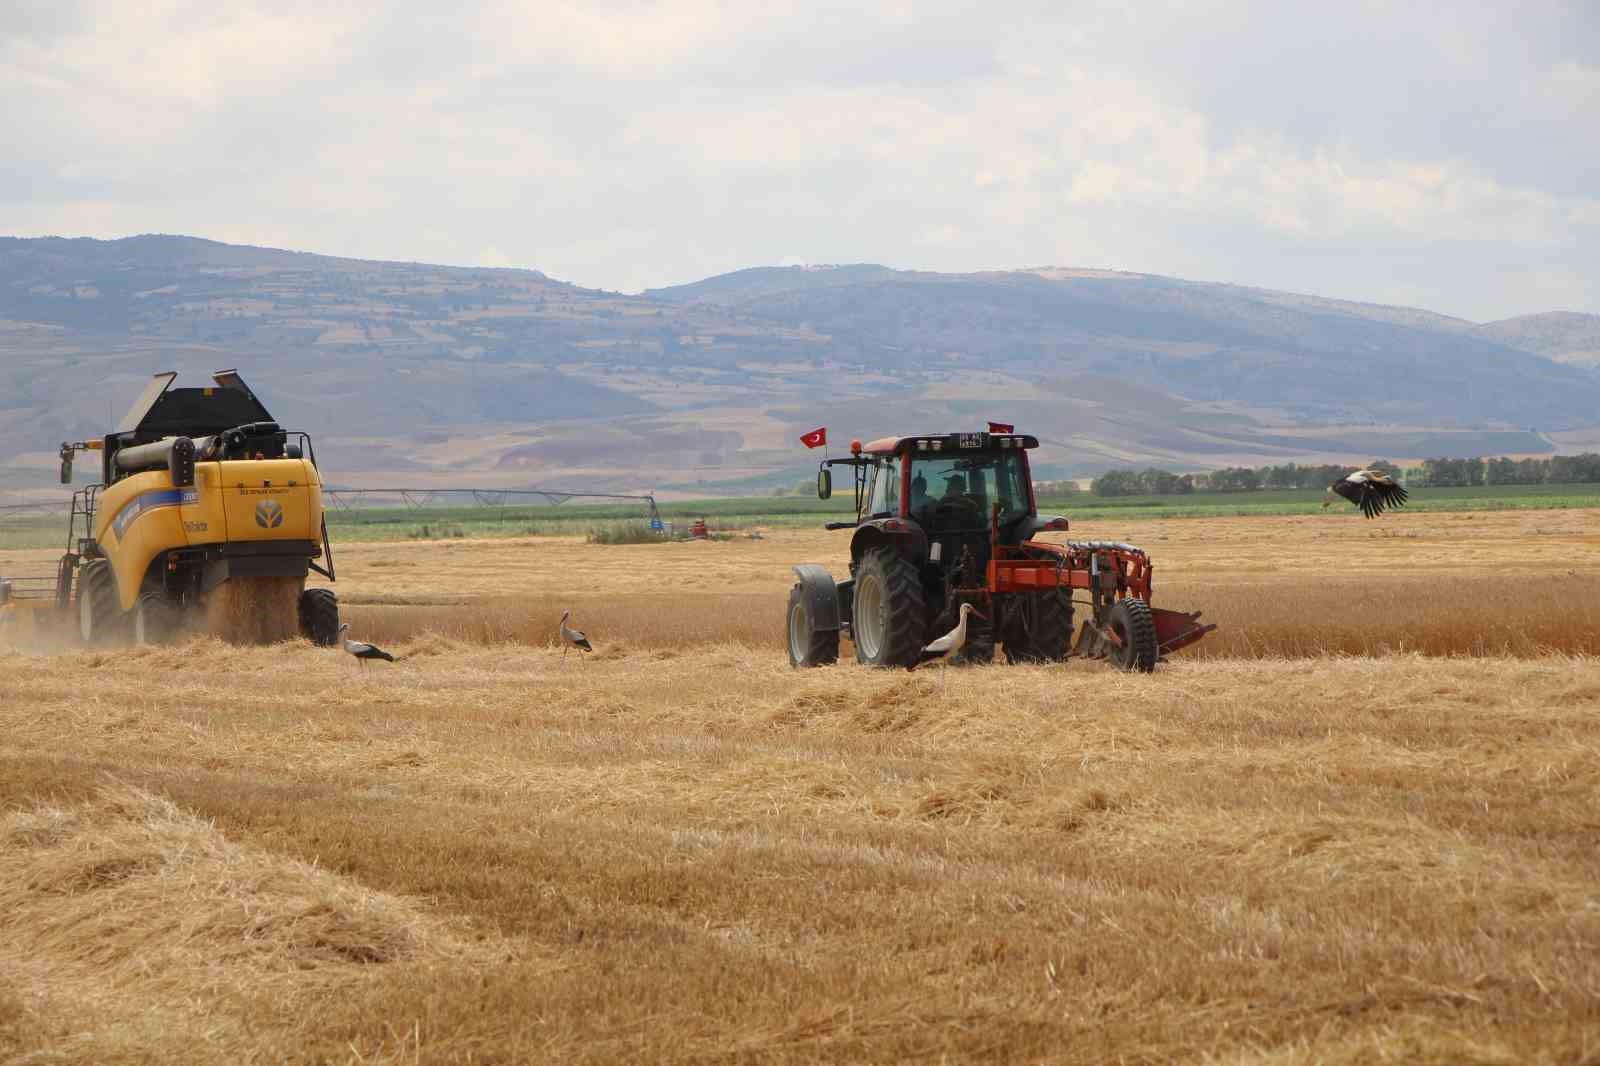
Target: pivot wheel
(1130, 620)
(319, 617)
(1042, 628)
(808, 645)
(891, 610)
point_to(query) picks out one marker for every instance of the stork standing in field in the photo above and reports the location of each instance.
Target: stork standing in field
(949, 644)
(362, 650)
(571, 638)
(1371, 490)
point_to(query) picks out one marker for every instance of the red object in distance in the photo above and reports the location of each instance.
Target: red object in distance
(1002, 427)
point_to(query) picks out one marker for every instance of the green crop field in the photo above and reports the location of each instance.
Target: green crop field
(1309, 501)
(750, 512)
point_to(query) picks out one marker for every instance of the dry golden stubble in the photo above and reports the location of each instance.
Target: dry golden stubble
(681, 850)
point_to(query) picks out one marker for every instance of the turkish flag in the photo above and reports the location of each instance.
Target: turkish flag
(816, 438)
(1002, 427)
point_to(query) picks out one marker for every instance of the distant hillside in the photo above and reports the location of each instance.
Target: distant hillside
(1564, 336)
(742, 285)
(425, 373)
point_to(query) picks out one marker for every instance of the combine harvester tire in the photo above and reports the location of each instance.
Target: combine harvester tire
(154, 622)
(100, 622)
(319, 617)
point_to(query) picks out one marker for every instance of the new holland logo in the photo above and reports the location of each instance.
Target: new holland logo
(269, 514)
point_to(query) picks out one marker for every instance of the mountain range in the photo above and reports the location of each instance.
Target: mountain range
(436, 375)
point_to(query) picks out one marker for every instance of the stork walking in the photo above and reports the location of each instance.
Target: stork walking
(949, 644)
(572, 638)
(1371, 490)
(364, 651)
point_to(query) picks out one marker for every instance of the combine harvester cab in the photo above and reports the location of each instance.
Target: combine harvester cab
(947, 519)
(204, 498)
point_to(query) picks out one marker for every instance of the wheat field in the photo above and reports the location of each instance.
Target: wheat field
(1357, 824)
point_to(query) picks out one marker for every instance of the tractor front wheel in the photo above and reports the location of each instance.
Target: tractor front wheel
(808, 645)
(1131, 621)
(890, 612)
(319, 617)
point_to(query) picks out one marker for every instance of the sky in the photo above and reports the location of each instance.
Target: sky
(1371, 151)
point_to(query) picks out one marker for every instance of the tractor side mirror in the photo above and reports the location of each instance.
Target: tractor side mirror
(66, 464)
(824, 483)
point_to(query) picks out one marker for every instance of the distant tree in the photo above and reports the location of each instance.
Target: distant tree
(1501, 471)
(1235, 479)
(1116, 483)
(1159, 482)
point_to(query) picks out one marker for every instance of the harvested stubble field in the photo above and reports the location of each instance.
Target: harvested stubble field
(1312, 843)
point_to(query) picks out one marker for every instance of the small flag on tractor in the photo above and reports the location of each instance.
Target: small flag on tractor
(1002, 427)
(816, 438)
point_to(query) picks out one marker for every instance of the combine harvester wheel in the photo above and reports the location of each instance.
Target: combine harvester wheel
(319, 617)
(154, 621)
(100, 622)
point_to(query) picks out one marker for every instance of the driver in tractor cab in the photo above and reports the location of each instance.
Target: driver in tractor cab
(955, 487)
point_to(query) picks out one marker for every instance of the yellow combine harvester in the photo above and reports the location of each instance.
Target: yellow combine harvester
(207, 509)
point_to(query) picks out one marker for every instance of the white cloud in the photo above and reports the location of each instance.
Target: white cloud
(637, 144)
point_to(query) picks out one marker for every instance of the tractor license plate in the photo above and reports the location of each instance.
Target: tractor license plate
(972, 440)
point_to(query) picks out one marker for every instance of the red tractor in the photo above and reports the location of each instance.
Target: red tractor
(947, 519)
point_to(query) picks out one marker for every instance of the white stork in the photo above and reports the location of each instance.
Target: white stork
(364, 651)
(1371, 490)
(571, 638)
(947, 645)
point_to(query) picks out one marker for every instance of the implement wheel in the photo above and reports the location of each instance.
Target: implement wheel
(808, 645)
(319, 617)
(891, 610)
(1044, 630)
(1130, 620)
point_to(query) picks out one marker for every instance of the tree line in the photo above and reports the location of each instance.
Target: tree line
(1433, 473)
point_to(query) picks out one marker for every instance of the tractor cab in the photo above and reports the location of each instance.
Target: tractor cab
(949, 495)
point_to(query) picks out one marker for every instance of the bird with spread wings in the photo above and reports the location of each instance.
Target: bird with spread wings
(1371, 490)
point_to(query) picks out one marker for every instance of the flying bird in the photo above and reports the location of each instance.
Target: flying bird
(364, 651)
(571, 638)
(1371, 490)
(947, 645)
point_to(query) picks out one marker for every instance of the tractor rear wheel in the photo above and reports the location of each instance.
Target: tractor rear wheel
(1042, 631)
(808, 645)
(319, 617)
(155, 621)
(100, 619)
(890, 615)
(1131, 621)
(979, 648)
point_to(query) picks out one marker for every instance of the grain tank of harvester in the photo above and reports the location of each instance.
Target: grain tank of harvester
(206, 507)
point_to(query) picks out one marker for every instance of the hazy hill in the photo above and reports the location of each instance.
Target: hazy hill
(413, 372)
(1564, 336)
